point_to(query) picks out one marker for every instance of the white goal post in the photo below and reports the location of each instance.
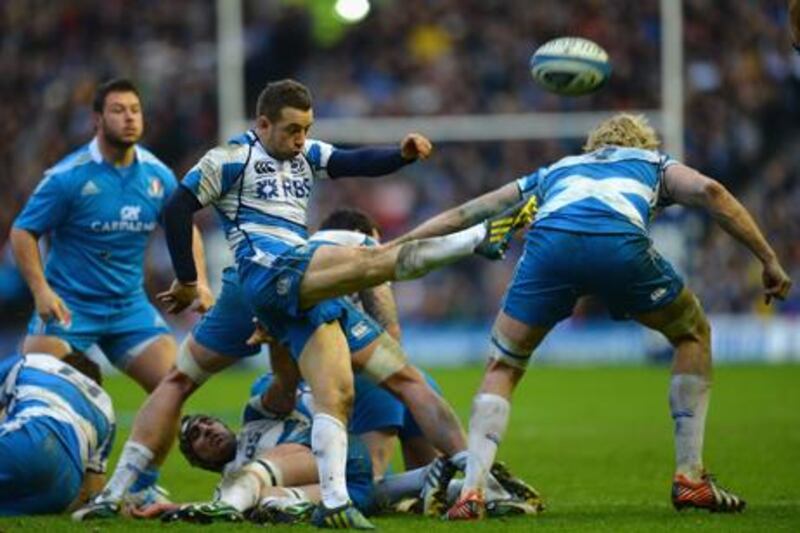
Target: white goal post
(459, 128)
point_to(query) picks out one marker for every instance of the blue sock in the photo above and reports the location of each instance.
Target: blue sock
(145, 480)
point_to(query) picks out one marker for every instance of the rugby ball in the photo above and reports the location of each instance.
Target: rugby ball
(570, 66)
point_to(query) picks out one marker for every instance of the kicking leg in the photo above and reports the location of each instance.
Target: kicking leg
(340, 270)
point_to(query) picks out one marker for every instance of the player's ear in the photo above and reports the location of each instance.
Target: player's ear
(262, 122)
(97, 118)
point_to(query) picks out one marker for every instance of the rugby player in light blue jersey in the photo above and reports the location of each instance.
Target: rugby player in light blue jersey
(261, 190)
(55, 435)
(99, 206)
(590, 236)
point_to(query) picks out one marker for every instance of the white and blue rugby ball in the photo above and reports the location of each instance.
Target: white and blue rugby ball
(570, 66)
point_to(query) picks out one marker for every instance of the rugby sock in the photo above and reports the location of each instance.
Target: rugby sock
(417, 258)
(133, 462)
(145, 480)
(494, 490)
(486, 428)
(688, 403)
(393, 488)
(329, 444)
(242, 489)
(290, 496)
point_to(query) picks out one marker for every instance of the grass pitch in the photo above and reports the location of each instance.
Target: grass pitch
(596, 441)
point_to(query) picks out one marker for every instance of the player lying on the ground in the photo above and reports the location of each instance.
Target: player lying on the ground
(268, 470)
(590, 236)
(269, 474)
(55, 435)
(379, 420)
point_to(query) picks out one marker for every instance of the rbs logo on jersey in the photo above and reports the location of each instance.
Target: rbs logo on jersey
(283, 189)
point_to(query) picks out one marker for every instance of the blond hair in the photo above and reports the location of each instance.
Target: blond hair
(623, 129)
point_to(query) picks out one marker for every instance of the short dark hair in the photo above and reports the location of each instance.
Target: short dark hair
(116, 85)
(350, 219)
(187, 447)
(280, 94)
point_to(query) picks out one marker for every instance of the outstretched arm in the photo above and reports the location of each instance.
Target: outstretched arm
(378, 161)
(465, 215)
(686, 186)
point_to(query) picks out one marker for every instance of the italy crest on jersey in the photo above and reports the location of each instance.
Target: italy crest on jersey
(156, 188)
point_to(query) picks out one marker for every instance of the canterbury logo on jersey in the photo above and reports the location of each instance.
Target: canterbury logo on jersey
(263, 166)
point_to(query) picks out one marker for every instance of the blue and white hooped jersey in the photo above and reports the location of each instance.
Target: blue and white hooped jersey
(613, 190)
(255, 194)
(39, 385)
(263, 432)
(99, 218)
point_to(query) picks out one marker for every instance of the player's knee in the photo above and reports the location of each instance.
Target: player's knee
(691, 325)
(336, 399)
(504, 353)
(702, 329)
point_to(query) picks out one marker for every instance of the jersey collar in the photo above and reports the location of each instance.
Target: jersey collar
(97, 156)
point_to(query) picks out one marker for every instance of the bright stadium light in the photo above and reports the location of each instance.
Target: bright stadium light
(352, 10)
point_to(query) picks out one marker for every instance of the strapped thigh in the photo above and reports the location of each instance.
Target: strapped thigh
(387, 358)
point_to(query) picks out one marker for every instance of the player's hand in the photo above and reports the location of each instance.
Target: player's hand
(205, 298)
(415, 146)
(776, 281)
(154, 510)
(260, 335)
(178, 297)
(50, 306)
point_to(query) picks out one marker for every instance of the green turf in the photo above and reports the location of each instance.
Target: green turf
(596, 442)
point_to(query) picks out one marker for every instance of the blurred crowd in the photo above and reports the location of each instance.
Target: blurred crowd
(420, 57)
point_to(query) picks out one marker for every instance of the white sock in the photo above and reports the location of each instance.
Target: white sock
(291, 496)
(486, 428)
(242, 489)
(329, 443)
(417, 258)
(134, 460)
(688, 403)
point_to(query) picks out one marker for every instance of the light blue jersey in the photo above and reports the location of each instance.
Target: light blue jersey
(612, 190)
(99, 218)
(58, 424)
(590, 236)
